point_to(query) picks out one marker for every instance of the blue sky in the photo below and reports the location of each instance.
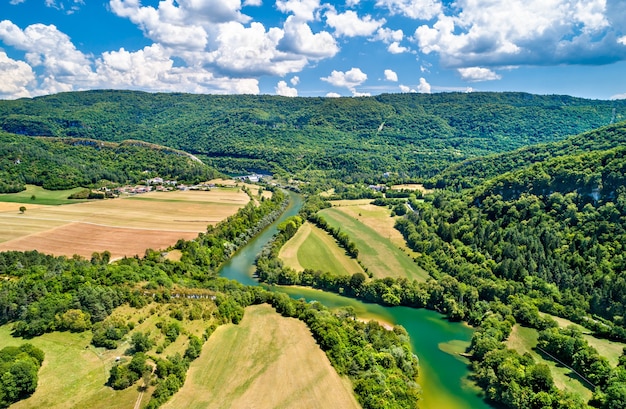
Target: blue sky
(312, 47)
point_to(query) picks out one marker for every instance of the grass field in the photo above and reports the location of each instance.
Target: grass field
(523, 339)
(313, 248)
(611, 350)
(377, 250)
(267, 361)
(74, 373)
(378, 218)
(42, 196)
(124, 226)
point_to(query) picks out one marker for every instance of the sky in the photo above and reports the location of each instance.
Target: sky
(314, 48)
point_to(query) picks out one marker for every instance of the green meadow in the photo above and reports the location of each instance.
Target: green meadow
(377, 253)
(38, 195)
(313, 248)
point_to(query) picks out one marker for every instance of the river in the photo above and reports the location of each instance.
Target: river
(436, 342)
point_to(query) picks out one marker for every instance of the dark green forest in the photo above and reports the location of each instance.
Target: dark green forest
(351, 139)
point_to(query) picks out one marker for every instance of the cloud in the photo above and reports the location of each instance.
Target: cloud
(62, 65)
(303, 10)
(391, 76)
(522, 32)
(168, 25)
(16, 2)
(284, 90)
(69, 6)
(252, 51)
(15, 77)
(348, 79)
(388, 35)
(476, 74)
(423, 87)
(299, 39)
(152, 69)
(333, 95)
(618, 96)
(295, 80)
(349, 24)
(396, 48)
(415, 9)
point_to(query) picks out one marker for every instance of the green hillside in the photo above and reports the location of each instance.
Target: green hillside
(72, 162)
(473, 171)
(412, 135)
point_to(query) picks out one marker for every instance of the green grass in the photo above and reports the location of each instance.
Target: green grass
(611, 350)
(377, 253)
(41, 196)
(73, 374)
(315, 249)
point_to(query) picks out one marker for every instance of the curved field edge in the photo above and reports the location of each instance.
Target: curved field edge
(313, 248)
(267, 361)
(381, 256)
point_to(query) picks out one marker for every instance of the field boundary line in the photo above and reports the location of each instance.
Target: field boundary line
(106, 225)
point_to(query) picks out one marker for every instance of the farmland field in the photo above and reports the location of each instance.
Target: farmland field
(124, 226)
(313, 248)
(382, 255)
(267, 361)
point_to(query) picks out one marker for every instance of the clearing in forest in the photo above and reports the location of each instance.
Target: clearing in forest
(378, 251)
(125, 226)
(611, 350)
(524, 339)
(313, 248)
(267, 361)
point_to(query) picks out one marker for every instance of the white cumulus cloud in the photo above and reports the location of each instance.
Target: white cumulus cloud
(285, 90)
(476, 74)
(304, 10)
(396, 48)
(390, 75)
(300, 39)
(349, 24)
(423, 87)
(295, 80)
(15, 77)
(349, 79)
(522, 32)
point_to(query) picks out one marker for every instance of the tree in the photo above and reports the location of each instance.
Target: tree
(22, 209)
(141, 342)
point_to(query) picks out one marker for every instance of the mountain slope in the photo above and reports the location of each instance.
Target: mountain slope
(350, 138)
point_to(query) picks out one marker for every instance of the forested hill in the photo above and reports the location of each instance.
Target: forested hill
(474, 171)
(62, 164)
(351, 138)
